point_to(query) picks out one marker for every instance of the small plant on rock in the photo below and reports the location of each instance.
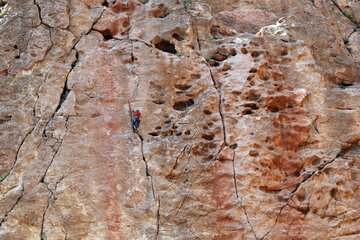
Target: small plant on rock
(207, 59)
(346, 41)
(2, 178)
(348, 12)
(2, 12)
(186, 5)
(340, 154)
(342, 85)
(216, 37)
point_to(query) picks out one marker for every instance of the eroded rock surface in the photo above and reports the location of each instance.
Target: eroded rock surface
(250, 119)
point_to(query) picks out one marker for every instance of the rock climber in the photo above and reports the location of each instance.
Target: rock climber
(136, 119)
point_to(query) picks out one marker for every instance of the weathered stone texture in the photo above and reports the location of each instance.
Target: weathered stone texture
(249, 130)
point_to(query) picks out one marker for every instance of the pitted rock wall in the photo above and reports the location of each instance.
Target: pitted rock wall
(249, 130)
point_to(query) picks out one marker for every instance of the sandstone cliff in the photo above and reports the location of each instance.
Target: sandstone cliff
(250, 119)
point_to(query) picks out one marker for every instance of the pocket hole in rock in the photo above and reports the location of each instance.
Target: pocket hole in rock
(190, 102)
(271, 148)
(195, 76)
(253, 153)
(301, 197)
(187, 132)
(284, 52)
(160, 12)
(250, 77)
(105, 4)
(207, 112)
(180, 106)
(252, 96)
(213, 63)
(178, 134)
(247, 112)
(234, 146)
(166, 46)
(169, 133)
(253, 106)
(226, 67)
(177, 37)
(253, 70)
(255, 54)
(232, 51)
(208, 137)
(182, 86)
(158, 101)
(107, 34)
(158, 128)
(244, 50)
(154, 134)
(236, 92)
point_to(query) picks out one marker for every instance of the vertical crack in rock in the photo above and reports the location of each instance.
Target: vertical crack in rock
(181, 153)
(213, 80)
(276, 221)
(148, 175)
(47, 208)
(64, 94)
(8, 212)
(239, 198)
(19, 149)
(39, 10)
(102, 12)
(313, 2)
(158, 220)
(47, 185)
(133, 71)
(48, 205)
(234, 176)
(220, 104)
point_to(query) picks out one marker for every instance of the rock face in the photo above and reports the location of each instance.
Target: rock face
(250, 119)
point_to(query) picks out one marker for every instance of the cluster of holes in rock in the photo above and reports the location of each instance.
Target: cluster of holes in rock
(171, 130)
(220, 55)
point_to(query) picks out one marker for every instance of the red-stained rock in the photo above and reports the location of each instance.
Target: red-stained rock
(249, 119)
